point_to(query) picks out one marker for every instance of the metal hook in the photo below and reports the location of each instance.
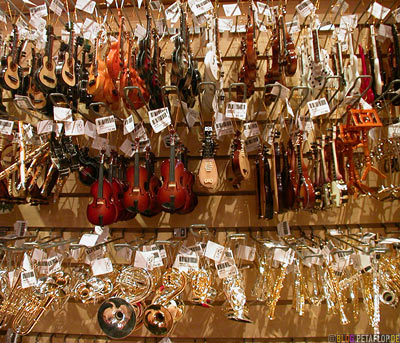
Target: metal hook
(103, 104)
(387, 90)
(200, 86)
(238, 84)
(270, 85)
(130, 102)
(167, 89)
(200, 227)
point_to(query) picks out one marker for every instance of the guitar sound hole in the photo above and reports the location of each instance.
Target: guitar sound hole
(49, 65)
(13, 66)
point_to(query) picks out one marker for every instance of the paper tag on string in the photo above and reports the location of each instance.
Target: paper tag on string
(144, 259)
(224, 24)
(100, 143)
(38, 11)
(214, 251)
(20, 228)
(173, 11)
(349, 22)
(252, 144)
(394, 130)
(159, 119)
(251, 129)
(378, 11)
(385, 31)
(318, 107)
(49, 266)
(3, 17)
(94, 253)
(38, 23)
(45, 126)
(284, 256)
(246, 253)
(124, 254)
(62, 113)
(6, 126)
(28, 279)
(129, 125)
(90, 130)
(284, 91)
(105, 124)
(199, 7)
(75, 128)
(57, 7)
(38, 255)
(289, 109)
(157, 260)
(88, 239)
(305, 8)
(139, 132)
(140, 31)
(236, 110)
(283, 229)
(21, 24)
(127, 147)
(85, 5)
(102, 266)
(226, 268)
(232, 10)
(293, 26)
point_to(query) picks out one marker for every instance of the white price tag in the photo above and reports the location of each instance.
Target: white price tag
(293, 26)
(90, 29)
(45, 126)
(232, 10)
(252, 143)
(3, 17)
(385, 31)
(394, 130)
(127, 147)
(129, 125)
(74, 128)
(102, 266)
(284, 256)
(361, 261)
(157, 259)
(62, 114)
(38, 255)
(26, 262)
(49, 266)
(106, 124)
(226, 268)
(38, 23)
(214, 251)
(28, 130)
(238, 28)
(223, 126)
(90, 129)
(197, 249)
(57, 7)
(38, 11)
(124, 254)
(12, 278)
(199, 7)
(251, 129)
(24, 101)
(6, 127)
(159, 119)
(86, 5)
(263, 9)
(139, 132)
(140, 31)
(246, 253)
(88, 239)
(186, 263)
(192, 116)
(20, 227)
(305, 8)
(308, 125)
(28, 279)
(100, 143)
(284, 91)
(378, 11)
(94, 253)
(365, 105)
(236, 110)
(21, 24)
(144, 259)
(349, 22)
(173, 11)
(318, 107)
(289, 109)
(283, 229)
(224, 24)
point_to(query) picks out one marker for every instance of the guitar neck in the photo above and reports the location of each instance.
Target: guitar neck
(316, 48)
(136, 178)
(335, 171)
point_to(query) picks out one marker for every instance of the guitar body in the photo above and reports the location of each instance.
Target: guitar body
(118, 200)
(113, 60)
(10, 75)
(136, 199)
(208, 173)
(306, 194)
(67, 75)
(45, 76)
(111, 93)
(101, 211)
(37, 97)
(171, 196)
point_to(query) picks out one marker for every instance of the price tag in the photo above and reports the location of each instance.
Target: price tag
(140, 32)
(349, 22)
(127, 147)
(186, 263)
(90, 29)
(365, 105)
(100, 143)
(106, 124)
(214, 251)
(12, 278)
(124, 254)
(318, 107)
(45, 126)
(74, 128)
(57, 7)
(62, 114)
(340, 5)
(293, 26)
(308, 125)
(88, 239)
(94, 253)
(20, 228)
(361, 261)
(283, 229)
(21, 24)
(378, 11)
(86, 6)
(49, 266)
(252, 144)
(6, 127)
(159, 119)
(172, 11)
(224, 24)
(284, 256)
(38, 11)
(38, 23)
(154, 247)
(236, 110)
(238, 28)
(24, 101)
(246, 253)
(192, 116)
(284, 91)
(199, 7)
(157, 259)
(385, 31)
(251, 129)
(139, 3)
(394, 130)
(28, 279)
(197, 249)
(263, 9)
(305, 8)
(102, 266)
(232, 10)
(90, 129)
(38, 255)
(129, 125)
(144, 259)
(226, 268)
